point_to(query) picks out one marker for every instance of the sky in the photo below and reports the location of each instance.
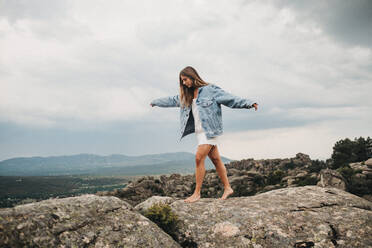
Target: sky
(79, 76)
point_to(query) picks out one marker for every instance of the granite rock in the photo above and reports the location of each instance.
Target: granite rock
(84, 221)
(308, 216)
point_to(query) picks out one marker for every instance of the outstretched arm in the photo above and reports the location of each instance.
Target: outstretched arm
(230, 100)
(166, 102)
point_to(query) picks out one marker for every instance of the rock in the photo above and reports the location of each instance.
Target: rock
(308, 216)
(246, 177)
(270, 187)
(360, 166)
(84, 221)
(232, 171)
(303, 156)
(368, 197)
(364, 169)
(301, 174)
(289, 180)
(137, 191)
(239, 179)
(331, 178)
(143, 206)
(368, 163)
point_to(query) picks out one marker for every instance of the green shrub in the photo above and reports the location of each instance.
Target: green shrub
(244, 190)
(275, 177)
(162, 215)
(346, 171)
(289, 166)
(306, 180)
(259, 180)
(316, 166)
(355, 185)
(359, 186)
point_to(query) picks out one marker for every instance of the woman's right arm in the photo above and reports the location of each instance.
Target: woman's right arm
(166, 102)
(230, 100)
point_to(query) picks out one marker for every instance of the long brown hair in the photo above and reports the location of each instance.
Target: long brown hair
(186, 93)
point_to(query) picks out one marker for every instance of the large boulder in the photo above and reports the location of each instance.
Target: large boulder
(308, 216)
(84, 221)
(369, 162)
(331, 178)
(364, 169)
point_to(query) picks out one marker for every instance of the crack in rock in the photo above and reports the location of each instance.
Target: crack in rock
(362, 207)
(322, 205)
(335, 235)
(304, 244)
(73, 228)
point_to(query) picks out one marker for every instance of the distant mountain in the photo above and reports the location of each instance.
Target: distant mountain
(164, 163)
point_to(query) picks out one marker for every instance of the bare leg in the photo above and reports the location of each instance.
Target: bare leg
(201, 154)
(214, 155)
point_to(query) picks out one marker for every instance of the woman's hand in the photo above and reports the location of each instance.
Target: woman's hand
(255, 105)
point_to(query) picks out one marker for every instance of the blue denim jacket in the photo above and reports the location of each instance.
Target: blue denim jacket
(209, 100)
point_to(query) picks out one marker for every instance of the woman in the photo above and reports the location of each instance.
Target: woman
(200, 113)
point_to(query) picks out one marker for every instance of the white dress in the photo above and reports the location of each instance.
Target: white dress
(199, 132)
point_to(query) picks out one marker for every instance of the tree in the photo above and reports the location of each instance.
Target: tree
(347, 151)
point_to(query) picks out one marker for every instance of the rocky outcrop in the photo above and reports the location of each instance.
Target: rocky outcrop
(331, 178)
(247, 177)
(363, 169)
(85, 221)
(308, 216)
(361, 182)
(264, 166)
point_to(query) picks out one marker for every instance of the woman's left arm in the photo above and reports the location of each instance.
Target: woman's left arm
(230, 100)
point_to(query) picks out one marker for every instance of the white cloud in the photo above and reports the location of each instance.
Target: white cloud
(316, 140)
(103, 62)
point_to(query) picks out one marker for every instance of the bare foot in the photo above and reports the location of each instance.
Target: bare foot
(228, 191)
(192, 198)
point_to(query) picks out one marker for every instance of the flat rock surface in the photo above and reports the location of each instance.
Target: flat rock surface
(84, 221)
(308, 216)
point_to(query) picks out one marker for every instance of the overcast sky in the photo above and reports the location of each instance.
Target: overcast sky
(78, 76)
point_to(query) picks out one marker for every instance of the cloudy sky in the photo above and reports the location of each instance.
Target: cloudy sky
(78, 76)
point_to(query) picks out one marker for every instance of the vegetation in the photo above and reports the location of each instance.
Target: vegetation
(316, 166)
(347, 151)
(162, 215)
(259, 180)
(242, 190)
(356, 185)
(289, 166)
(306, 180)
(19, 190)
(275, 177)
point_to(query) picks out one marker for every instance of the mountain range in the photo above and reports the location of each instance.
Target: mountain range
(115, 164)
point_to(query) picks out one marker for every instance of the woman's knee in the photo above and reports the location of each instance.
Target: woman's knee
(216, 160)
(199, 158)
